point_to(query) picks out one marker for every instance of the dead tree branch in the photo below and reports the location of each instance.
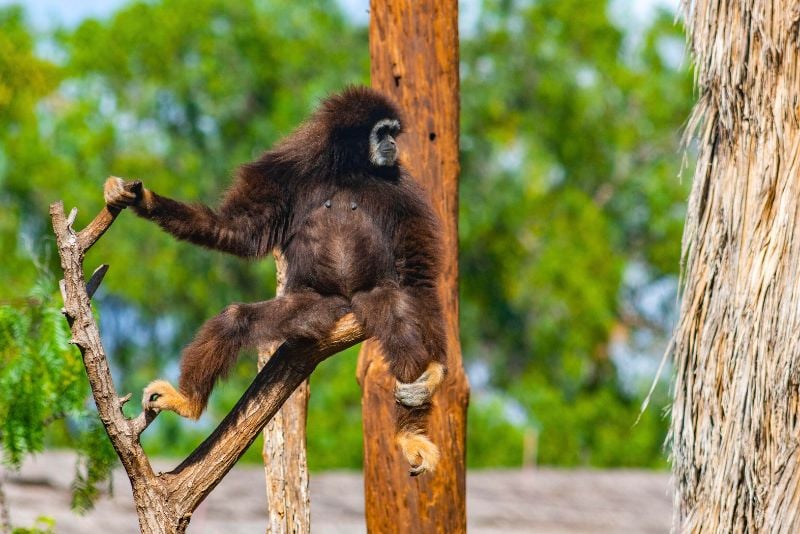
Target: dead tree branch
(284, 451)
(165, 501)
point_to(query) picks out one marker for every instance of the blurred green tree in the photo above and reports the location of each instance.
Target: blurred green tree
(569, 183)
(41, 377)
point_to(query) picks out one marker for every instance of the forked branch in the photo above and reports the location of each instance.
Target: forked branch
(165, 501)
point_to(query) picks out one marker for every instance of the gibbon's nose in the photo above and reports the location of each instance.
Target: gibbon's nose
(388, 146)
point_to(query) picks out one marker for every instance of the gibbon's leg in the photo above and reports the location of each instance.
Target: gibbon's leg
(389, 314)
(301, 315)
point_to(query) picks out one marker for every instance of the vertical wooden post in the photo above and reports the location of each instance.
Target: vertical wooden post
(284, 452)
(414, 52)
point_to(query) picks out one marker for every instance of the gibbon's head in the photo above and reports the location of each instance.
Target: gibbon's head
(363, 127)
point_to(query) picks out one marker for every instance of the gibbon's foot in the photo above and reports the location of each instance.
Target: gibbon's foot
(160, 395)
(419, 392)
(420, 452)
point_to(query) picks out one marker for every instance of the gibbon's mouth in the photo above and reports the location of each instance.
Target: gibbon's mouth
(388, 153)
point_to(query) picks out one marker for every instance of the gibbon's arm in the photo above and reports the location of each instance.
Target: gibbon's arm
(417, 252)
(247, 222)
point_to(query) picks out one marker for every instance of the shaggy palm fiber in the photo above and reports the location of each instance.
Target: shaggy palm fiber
(735, 428)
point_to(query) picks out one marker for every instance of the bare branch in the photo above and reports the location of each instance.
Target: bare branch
(89, 235)
(86, 335)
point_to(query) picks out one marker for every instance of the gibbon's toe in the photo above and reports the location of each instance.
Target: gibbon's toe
(161, 395)
(420, 391)
(412, 395)
(420, 452)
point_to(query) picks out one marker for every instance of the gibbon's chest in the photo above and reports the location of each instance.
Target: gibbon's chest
(350, 214)
(341, 244)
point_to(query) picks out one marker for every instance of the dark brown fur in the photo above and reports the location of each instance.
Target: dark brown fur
(374, 251)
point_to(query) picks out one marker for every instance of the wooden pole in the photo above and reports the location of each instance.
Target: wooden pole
(414, 53)
(284, 451)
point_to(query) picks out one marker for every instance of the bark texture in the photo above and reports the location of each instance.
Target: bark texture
(284, 452)
(165, 501)
(735, 422)
(414, 51)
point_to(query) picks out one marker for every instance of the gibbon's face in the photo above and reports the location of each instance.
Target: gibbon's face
(382, 144)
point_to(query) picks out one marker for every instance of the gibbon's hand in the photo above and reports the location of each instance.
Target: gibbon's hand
(120, 194)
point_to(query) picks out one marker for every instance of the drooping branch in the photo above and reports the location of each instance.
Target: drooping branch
(165, 502)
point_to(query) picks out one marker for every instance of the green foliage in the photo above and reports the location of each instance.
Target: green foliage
(96, 459)
(334, 414)
(593, 428)
(41, 376)
(42, 383)
(492, 439)
(24, 78)
(569, 179)
(42, 525)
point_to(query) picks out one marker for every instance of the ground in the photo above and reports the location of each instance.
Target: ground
(499, 501)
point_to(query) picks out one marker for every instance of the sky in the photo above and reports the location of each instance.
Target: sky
(46, 14)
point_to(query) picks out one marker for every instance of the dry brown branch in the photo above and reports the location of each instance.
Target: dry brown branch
(165, 501)
(736, 416)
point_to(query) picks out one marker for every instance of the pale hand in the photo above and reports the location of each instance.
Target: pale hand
(120, 194)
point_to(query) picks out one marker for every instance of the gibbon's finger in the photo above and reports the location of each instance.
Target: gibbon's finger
(114, 192)
(119, 204)
(120, 198)
(111, 194)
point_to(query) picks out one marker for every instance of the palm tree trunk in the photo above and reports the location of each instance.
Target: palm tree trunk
(735, 421)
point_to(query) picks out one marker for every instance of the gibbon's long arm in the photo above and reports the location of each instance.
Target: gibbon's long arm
(247, 222)
(417, 252)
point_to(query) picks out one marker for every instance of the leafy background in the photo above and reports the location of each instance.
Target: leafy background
(570, 219)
